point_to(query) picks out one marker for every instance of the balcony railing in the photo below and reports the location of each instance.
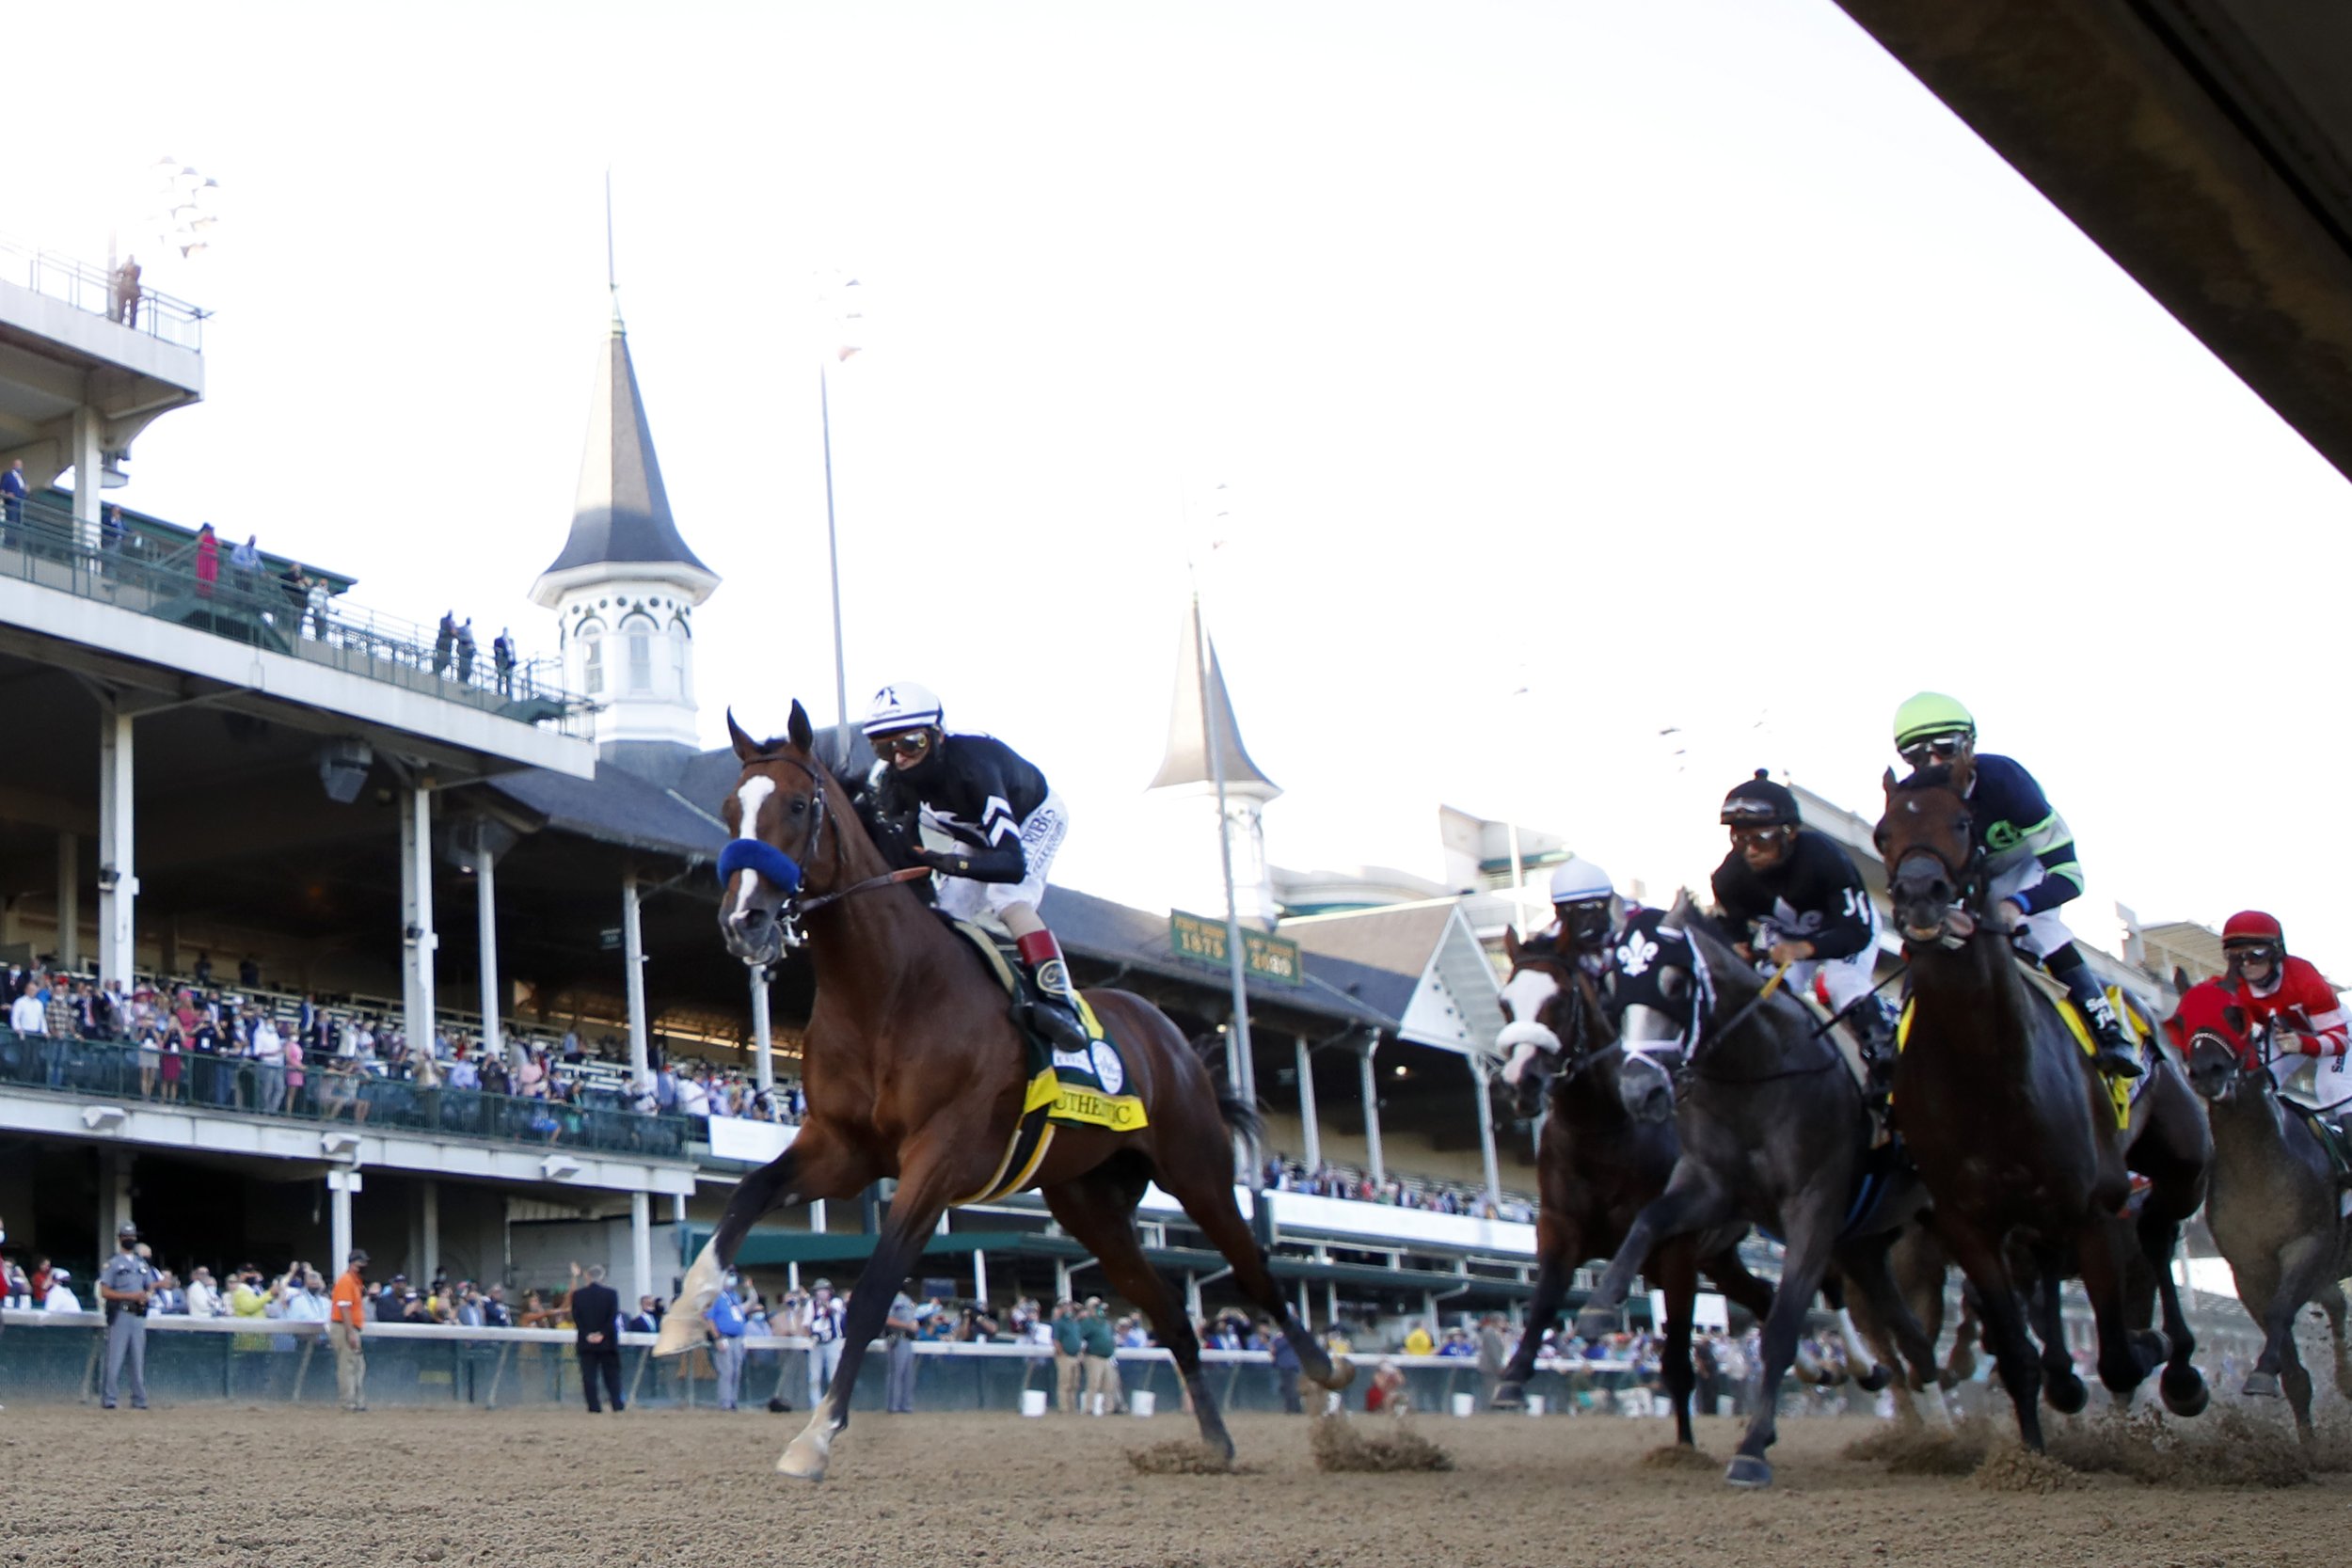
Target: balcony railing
(329, 1096)
(93, 289)
(45, 544)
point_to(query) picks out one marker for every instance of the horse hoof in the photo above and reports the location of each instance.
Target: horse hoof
(2184, 1390)
(805, 1459)
(1872, 1380)
(2261, 1385)
(681, 1331)
(1508, 1396)
(1596, 1326)
(2067, 1395)
(1342, 1374)
(1748, 1472)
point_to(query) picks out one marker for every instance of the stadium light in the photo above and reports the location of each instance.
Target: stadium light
(559, 1168)
(103, 1119)
(339, 1146)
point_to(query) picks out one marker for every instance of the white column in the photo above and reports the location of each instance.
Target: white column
(1330, 1303)
(70, 901)
(1192, 1295)
(418, 938)
(816, 1215)
(1372, 1108)
(1307, 1108)
(88, 460)
(338, 1188)
(428, 1230)
(641, 1246)
(979, 1276)
(117, 888)
(1306, 1317)
(485, 910)
(633, 958)
(1486, 1132)
(763, 1050)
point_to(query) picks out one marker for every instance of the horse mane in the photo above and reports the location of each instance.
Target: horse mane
(1544, 944)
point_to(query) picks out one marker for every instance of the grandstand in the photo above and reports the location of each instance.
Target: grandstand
(477, 898)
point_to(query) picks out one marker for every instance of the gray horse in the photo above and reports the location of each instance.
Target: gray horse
(2275, 1210)
(1773, 1132)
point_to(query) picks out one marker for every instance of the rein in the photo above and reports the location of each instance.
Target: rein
(759, 855)
(1693, 1067)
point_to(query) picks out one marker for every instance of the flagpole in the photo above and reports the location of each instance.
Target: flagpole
(1240, 1061)
(832, 557)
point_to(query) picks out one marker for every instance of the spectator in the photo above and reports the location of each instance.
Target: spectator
(1418, 1343)
(493, 1310)
(1387, 1393)
(126, 1288)
(465, 650)
(444, 638)
(647, 1317)
(898, 1332)
(345, 1311)
(59, 1296)
(1492, 1354)
(12, 493)
(826, 1317)
(316, 596)
(126, 293)
(203, 1297)
(1285, 1367)
(26, 1015)
(597, 1330)
(113, 534)
(171, 1300)
(269, 1064)
(1096, 1344)
(727, 1327)
(1068, 1355)
(503, 658)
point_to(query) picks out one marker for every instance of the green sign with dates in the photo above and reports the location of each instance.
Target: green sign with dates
(1203, 942)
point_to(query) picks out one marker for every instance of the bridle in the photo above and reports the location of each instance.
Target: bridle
(755, 854)
(1966, 877)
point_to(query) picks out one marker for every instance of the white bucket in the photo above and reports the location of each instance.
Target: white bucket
(1534, 1405)
(1033, 1402)
(1464, 1404)
(1661, 1407)
(1723, 1405)
(1141, 1401)
(1094, 1403)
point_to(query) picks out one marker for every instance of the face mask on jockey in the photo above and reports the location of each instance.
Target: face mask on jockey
(1584, 923)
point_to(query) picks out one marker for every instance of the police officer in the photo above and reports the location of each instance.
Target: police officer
(126, 1285)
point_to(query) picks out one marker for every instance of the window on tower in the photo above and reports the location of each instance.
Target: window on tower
(640, 632)
(592, 659)
(682, 661)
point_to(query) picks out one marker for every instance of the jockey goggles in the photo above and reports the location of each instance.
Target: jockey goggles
(2251, 952)
(1760, 838)
(1942, 748)
(906, 743)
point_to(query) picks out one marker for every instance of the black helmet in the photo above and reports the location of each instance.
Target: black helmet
(1761, 803)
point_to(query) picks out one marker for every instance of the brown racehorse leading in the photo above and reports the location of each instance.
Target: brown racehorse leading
(914, 1069)
(2010, 1125)
(1596, 1169)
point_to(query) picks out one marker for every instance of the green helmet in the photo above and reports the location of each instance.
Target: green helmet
(1931, 714)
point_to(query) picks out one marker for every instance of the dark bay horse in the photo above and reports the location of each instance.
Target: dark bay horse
(1597, 1167)
(2275, 1210)
(2009, 1124)
(1773, 1133)
(914, 1069)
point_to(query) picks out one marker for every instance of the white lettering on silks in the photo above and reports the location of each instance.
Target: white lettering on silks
(752, 796)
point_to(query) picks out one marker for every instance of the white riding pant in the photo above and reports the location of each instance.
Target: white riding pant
(2041, 934)
(962, 898)
(1846, 979)
(2327, 1085)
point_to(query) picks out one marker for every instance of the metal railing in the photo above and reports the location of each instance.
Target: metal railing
(329, 1093)
(128, 569)
(85, 287)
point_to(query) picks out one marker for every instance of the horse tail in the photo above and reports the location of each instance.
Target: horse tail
(1241, 1116)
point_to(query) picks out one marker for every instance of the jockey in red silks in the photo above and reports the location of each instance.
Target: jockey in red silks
(1007, 821)
(2308, 1026)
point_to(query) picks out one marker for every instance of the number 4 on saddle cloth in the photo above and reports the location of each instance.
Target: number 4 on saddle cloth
(1067, 1089)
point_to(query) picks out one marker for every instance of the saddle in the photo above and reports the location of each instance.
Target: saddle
(1066, 1089)
(2121, 1092)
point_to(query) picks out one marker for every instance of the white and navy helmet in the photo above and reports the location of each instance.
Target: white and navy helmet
(903, 706)
(1578, 880)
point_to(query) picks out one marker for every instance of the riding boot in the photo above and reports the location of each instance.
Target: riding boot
(1051, 1008)
(1875, 1034)
(2115, 1056)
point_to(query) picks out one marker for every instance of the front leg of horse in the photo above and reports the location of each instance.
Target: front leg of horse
(2183, 1387)
(1677, 1273)
(2122, 1365)
(769, 1188)
(2060, 1383)
(1801, 1267)
(1689, 1203)
(1543, 1311)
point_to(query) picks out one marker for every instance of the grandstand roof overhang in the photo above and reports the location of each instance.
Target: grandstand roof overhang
(57, 359)
(2204, 144)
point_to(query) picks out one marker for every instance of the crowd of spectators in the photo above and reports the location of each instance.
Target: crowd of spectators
(241, 1047)
(1284, 1174)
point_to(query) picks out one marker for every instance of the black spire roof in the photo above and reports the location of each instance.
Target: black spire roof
(623, 515)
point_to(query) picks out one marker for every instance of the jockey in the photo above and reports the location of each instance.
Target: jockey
(1798, 893)
(1008, 823)
(2029, 861)
(1583, 900)
(2307, 1022)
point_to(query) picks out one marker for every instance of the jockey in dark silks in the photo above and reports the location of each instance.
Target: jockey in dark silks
(2029, 862)
(1006, 822)
(1585, 906)
(1803, 904)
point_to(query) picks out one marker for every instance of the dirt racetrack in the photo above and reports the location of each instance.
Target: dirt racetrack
(272, 1488)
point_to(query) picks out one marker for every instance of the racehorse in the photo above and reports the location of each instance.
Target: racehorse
(914, 1069)
(2010, 1126)
(2275, 1210)
(1596, 1167)
(1773, 1132)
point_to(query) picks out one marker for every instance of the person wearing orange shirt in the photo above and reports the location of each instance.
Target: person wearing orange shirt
(347, 1310)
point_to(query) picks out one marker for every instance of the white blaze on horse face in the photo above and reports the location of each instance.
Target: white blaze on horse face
(1527, 991)
(750, 797)
(1646, 1028)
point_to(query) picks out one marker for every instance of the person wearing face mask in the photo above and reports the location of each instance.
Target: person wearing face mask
(1007, 824)
(1584, 911)
(727, 1327)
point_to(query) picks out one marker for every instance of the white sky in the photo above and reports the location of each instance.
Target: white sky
(1686, 363)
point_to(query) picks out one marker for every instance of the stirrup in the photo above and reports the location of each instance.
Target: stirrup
(1058, 1022)
(2116, 1062)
